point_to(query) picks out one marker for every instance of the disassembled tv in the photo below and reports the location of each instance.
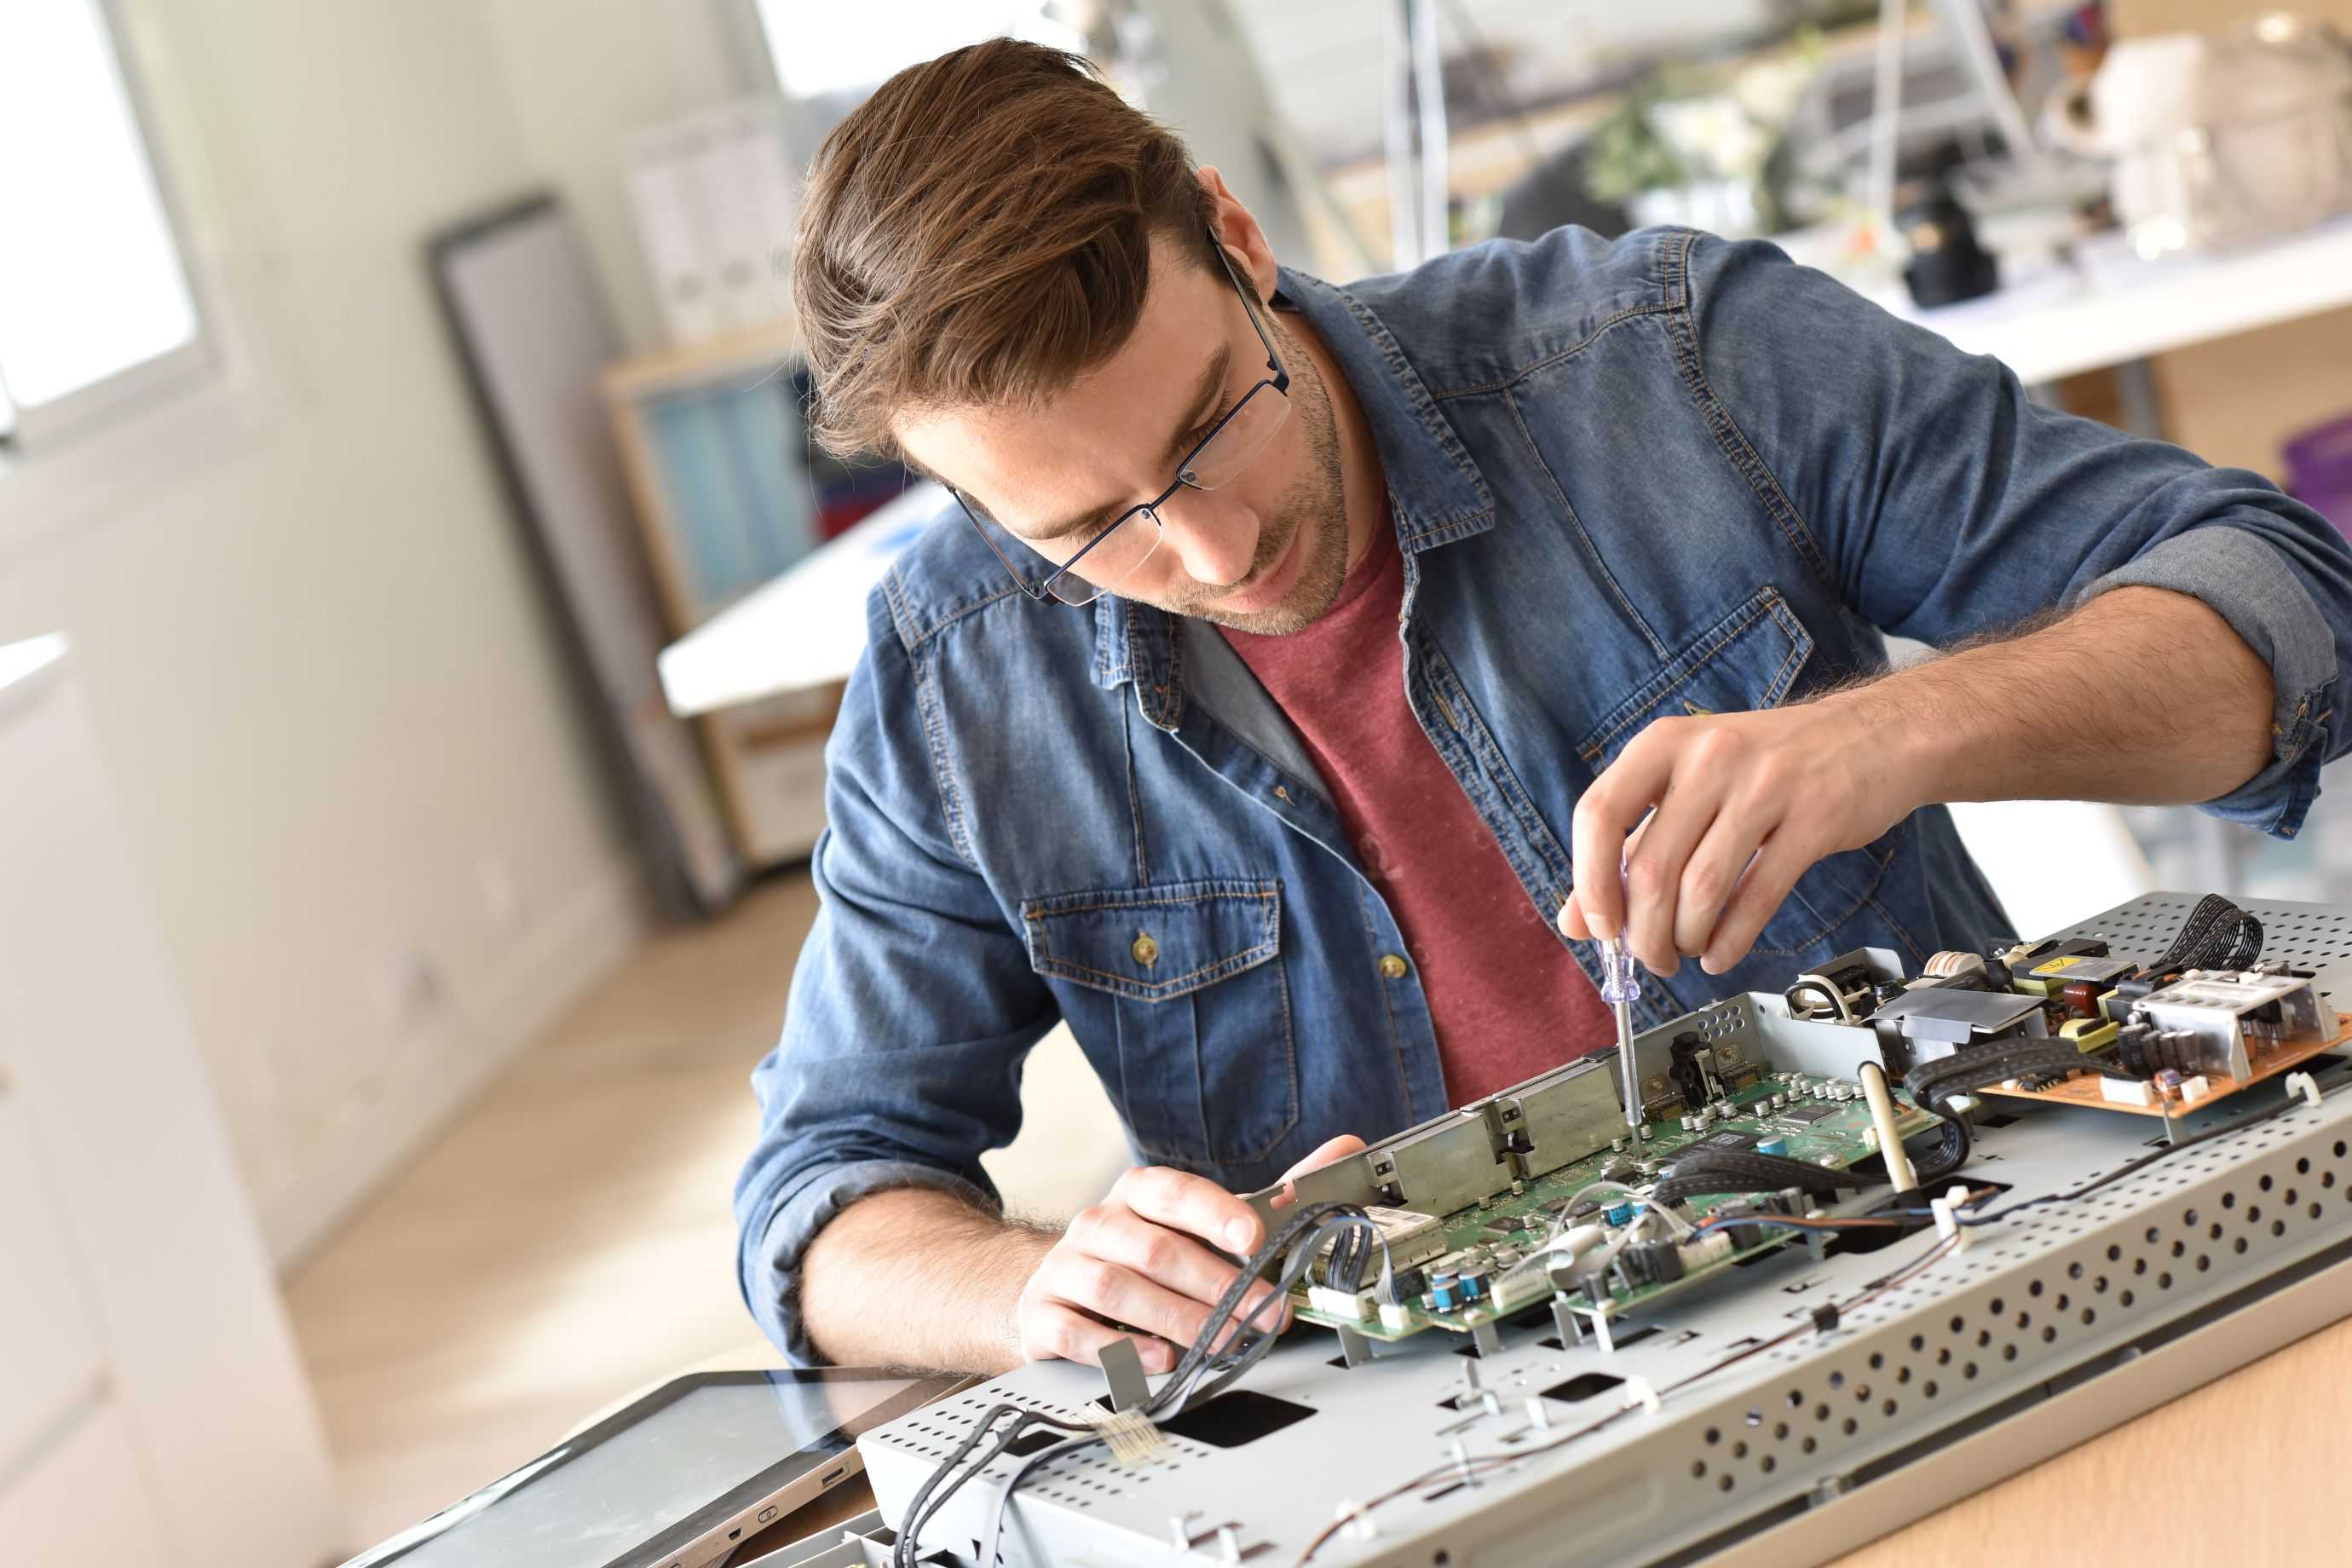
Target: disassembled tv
(1870, 1244)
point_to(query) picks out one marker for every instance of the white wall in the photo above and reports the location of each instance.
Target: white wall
(579, 75)
(325, 682)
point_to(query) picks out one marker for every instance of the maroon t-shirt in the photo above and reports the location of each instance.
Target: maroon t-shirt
(1507, 998)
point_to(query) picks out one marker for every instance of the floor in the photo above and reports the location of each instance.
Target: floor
(568, 1242)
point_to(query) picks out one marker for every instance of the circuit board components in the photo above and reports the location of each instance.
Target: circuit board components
(1620, 1226)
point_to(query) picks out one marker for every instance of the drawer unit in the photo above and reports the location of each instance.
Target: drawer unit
(49, 1358)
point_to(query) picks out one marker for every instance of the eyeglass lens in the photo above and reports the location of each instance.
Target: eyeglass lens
(1238, 443)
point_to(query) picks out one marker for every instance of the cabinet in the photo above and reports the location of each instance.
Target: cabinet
(153, 1408)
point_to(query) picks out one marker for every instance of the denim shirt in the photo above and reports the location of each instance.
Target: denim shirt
(1667, 474)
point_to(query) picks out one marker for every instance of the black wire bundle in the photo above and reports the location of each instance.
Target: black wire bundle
(1933, 1084)
(2217, 934)
(1951, 1151)
(1202, 1373)
(1351, 1255)
(1745, 1171)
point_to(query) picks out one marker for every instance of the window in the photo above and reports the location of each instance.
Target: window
(95, 307)
(820, 50)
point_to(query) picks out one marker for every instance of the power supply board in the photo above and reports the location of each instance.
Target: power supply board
(1736, 1333)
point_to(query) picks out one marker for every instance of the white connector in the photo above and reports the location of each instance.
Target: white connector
(1948, 1219)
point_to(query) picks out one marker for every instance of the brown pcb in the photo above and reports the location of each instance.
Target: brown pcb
(2269, 1061)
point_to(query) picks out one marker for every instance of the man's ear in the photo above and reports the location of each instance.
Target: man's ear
(1239, 232)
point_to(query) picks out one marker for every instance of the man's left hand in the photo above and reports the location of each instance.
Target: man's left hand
(1739, 806)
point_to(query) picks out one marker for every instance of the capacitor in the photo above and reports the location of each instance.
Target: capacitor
(1722, 1109)
(1473, 1285)
(1617, 1145)
(1443, 1290)
(1773, 1146)
(1690, 1124)
(1654, 1262)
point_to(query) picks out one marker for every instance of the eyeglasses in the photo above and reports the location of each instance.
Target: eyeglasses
(1232, 444)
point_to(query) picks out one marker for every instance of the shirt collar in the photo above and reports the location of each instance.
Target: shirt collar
(1436, 494)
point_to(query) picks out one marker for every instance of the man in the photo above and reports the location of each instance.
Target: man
(1305, 652)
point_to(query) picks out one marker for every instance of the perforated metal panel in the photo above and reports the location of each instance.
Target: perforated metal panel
(2317, 936)
(2048, 1325)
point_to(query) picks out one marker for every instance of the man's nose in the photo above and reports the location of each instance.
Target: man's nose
(1213, 543)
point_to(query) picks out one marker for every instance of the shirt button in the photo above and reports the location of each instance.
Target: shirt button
(1281, 792)
(1392, 966)
(1146, 951)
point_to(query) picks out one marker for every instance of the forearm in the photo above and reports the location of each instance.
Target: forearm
(914, 1277)
(2142, 696)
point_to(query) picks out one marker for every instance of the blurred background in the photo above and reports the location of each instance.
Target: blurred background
(421, 612)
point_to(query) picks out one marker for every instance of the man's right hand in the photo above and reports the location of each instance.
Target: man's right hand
(1140, 1257)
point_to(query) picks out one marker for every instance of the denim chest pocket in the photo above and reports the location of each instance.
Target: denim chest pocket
(1185, 981)
(1750, 660)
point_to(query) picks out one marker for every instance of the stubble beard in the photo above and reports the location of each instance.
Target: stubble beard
(1314, 502)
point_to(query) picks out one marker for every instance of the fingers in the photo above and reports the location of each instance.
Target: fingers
(1653, 868)
(1329, 1152)
(1712, 873)
(1190, 1204)
(1102, 1289)
(1767, 882)
(1608, 811)
(1572, 923)
(1118, 1234)
(1050, 1331)
(1105, 1290)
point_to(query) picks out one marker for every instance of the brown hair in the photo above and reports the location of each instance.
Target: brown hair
(978, 234)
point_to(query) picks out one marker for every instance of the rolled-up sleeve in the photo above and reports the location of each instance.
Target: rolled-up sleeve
(1941, 503)
(912, 1003)
(2238, 566)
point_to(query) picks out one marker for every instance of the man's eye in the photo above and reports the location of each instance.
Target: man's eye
(1201, 433)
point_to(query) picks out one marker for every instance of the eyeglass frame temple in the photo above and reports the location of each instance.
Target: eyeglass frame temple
(1280, 382)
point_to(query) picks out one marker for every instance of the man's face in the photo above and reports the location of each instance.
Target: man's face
(1265, 552)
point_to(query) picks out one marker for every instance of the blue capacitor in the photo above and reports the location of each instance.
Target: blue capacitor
(1618, 1213)
(1773, 1146)
(1442, 1294)
(1473, 1286)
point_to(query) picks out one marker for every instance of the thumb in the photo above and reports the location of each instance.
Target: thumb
(1572, 923)
(1332, 1151)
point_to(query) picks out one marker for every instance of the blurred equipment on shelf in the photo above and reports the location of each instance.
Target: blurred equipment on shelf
(1947, 263)
(2218, 141)
(715, 198)
(2319, 471)
(764, 676)
(731, 495)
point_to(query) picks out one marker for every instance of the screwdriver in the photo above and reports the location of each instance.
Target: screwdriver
(1621, 987)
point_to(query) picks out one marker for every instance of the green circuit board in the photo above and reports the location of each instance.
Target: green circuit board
(1816, 1128)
